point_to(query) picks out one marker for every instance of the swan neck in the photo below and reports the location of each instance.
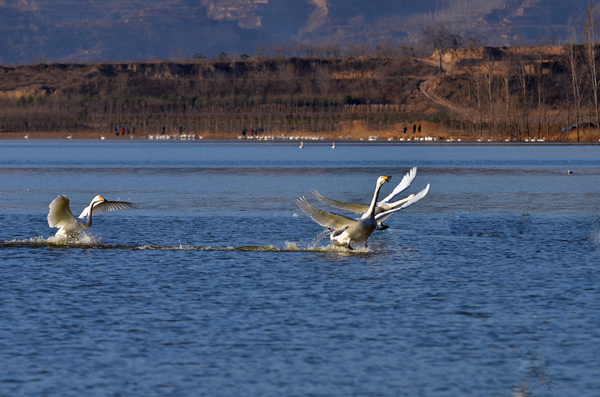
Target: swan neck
(371, 210)
(88, 221)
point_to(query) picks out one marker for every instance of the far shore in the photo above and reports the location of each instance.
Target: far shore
(437, 135)
(283, 136)
(292, 137)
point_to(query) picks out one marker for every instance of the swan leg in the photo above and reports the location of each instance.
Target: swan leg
(382, 227)
(350, 248)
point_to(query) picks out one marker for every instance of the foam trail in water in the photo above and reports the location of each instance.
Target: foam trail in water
(94, 242)
(80, 239)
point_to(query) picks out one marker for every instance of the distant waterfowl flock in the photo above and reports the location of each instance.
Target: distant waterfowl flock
(344, 230)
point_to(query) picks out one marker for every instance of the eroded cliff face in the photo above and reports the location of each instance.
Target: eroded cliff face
(244, 12)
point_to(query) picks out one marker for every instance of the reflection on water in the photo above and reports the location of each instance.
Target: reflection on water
(219, 285)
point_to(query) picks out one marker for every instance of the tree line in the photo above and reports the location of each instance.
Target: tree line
(281, 95)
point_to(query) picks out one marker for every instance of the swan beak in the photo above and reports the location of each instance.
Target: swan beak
(102, 198)
(387, 178)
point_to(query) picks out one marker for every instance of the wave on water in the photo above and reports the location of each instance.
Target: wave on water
(94, 242)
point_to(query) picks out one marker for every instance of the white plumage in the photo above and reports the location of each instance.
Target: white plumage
(60, 215)
(346, 230)
(381, 206)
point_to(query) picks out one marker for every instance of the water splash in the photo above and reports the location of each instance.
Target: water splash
(532, 371)
(319, 237)
(82, 239)
(595, 231)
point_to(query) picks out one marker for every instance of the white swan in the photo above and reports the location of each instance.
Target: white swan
(381, 206)
(347, 231)
(60, 214)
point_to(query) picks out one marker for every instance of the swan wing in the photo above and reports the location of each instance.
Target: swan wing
(60, 214)
(356, 208)
(380, 220)
(106, 206)
(323, 218)
(403, 185)
(415, 198)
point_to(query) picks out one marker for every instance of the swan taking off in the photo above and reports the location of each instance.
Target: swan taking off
(347, 231)
(381, 206)
(60, 214)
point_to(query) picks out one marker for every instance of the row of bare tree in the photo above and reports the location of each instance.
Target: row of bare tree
(308, 94)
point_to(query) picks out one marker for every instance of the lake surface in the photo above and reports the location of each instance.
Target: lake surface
(219, 286)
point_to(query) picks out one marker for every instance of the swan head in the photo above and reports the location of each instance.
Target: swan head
(98, 199)
(383, 179)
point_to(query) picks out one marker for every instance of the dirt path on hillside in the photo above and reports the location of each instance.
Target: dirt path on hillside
(427, 88)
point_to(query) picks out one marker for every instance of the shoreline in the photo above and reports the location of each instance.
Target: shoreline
(290, 137)
(319, 142)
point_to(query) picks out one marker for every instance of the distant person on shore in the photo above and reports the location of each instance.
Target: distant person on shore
(244, 131)
(164, 128)
(419, 128)
(414, 128)
(116, 131)
(123, 131)
(404, 129)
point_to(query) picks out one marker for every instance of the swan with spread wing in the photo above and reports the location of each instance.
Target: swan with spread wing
(348, 231)
(381, 206)
(60, 215)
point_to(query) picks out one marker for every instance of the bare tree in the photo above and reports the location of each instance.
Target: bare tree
(506, 73)
(573, 63)
(541, 89)
(489, 66)
(592, 50)
(442, 38)
(522, 64)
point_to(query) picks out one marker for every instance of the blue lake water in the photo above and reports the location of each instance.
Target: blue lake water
(219, 286)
